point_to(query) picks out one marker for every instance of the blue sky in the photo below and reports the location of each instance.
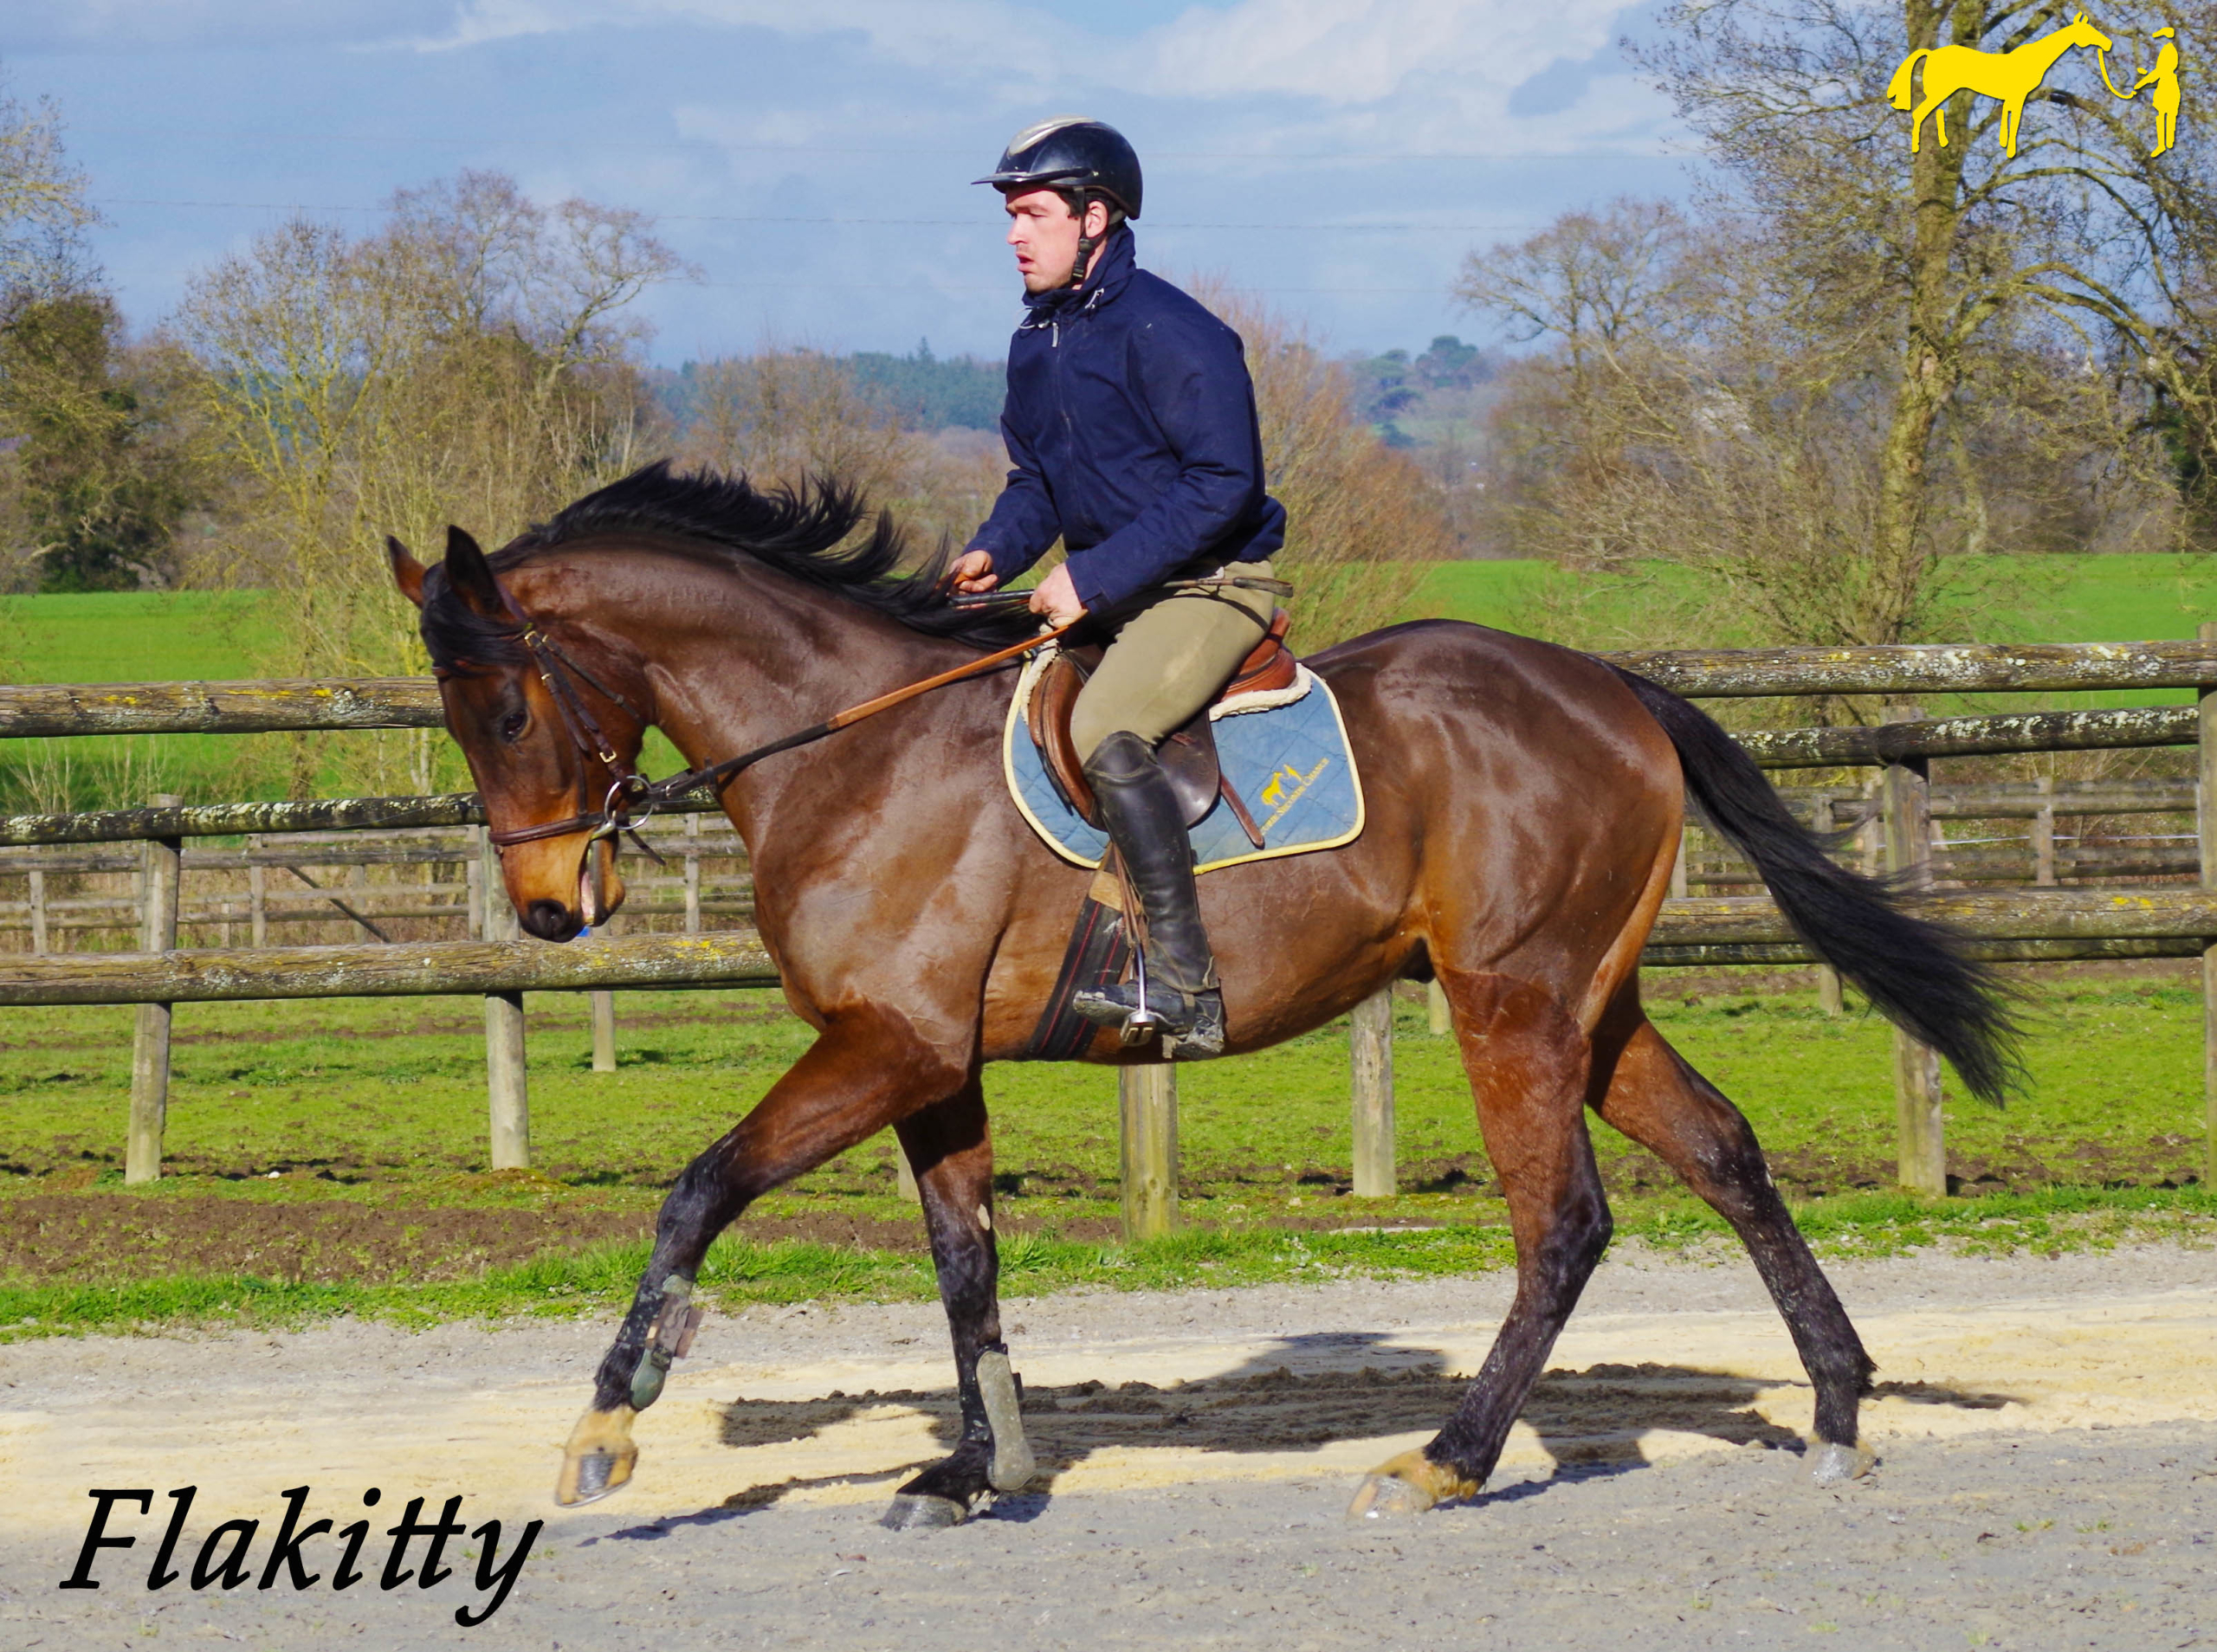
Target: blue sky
(813, 157)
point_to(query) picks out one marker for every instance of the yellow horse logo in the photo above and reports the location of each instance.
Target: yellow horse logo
(2007, 77)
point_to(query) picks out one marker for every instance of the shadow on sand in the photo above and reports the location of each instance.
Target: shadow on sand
(1302, 1392)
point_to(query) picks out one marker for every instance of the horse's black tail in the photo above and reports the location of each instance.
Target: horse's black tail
(1915, 973)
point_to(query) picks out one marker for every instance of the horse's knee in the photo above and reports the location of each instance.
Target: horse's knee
(1572, 1246)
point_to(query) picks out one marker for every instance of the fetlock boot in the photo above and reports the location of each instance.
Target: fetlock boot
(1145, 822)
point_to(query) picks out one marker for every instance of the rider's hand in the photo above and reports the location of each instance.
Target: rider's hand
(973, 573)
(1056, 598)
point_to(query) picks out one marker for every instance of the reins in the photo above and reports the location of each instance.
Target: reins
(630, 788)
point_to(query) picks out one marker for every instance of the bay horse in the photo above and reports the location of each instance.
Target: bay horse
(1523, 809)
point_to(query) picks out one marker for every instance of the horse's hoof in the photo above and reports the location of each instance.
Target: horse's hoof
(1011, 1465)
(923, 1512)
(1833, 1464)
(1410, 1484)
(598, 1459)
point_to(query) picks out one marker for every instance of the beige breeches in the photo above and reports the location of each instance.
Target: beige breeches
(1170, 655)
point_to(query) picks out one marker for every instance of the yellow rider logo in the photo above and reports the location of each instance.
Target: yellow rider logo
(2011, 77)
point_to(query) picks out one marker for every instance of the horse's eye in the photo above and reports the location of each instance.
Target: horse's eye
(512, 726)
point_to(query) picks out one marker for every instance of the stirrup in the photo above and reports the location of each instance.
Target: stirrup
(1199, 1038)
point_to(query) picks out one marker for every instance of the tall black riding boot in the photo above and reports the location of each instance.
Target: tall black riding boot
(1145, 822)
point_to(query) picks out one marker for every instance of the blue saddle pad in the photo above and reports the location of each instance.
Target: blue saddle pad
(1288, 757)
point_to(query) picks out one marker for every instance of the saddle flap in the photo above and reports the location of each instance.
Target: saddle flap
(1188, 756)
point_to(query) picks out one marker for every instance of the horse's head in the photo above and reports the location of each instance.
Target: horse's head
(532, 757)
(2081, 32)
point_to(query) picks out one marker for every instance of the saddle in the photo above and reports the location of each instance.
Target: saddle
(1188, 756)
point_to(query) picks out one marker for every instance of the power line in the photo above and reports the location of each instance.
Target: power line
(876, 223)
(1382, 158)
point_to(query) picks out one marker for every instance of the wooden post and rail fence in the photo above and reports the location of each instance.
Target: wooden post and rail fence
(2038, 924)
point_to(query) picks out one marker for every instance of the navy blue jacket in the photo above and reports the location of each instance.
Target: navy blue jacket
(1130, 420)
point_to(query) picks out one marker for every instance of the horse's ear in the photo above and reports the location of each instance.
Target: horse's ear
(471, 577)
(407, 572)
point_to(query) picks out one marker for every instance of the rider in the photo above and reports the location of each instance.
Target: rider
(1130, 425)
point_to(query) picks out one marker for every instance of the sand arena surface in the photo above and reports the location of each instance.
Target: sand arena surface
(1196, 1448)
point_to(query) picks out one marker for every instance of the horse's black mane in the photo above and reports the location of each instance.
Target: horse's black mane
(795, 532)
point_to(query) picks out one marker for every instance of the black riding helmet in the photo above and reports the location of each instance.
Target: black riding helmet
(1080, 158)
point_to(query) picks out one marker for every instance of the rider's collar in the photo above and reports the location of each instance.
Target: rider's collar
(1118, 262)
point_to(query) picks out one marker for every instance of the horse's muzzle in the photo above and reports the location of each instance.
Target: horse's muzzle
(551, 921)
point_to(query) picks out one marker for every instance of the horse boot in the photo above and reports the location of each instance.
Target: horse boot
(1148, 829)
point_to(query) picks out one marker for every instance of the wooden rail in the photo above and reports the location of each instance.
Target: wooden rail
(2053, 923)
(421, 969)
(253, 707)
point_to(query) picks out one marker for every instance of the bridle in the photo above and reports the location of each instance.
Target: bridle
(628, 789)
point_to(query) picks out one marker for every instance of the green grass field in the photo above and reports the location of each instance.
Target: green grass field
(286, 1113)
(2018, 599)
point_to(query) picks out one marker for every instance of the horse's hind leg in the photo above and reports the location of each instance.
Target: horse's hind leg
(1527, 1061)
(950, 1150)
(1657, 1100)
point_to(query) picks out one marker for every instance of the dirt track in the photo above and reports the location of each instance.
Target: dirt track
(2049, 1477)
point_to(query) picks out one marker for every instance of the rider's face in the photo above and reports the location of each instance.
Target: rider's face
(1044, 236)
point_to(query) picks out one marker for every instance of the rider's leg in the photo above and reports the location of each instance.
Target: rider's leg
(1166, 662)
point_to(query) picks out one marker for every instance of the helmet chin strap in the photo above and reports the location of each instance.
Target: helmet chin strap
(1084, 240)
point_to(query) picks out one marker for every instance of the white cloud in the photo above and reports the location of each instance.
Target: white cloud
(979, 34)
(1346, 52)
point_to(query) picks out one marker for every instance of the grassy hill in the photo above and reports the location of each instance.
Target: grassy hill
(142, 636)
(2017, 599)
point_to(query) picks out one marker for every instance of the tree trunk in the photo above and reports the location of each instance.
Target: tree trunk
(1931, 360)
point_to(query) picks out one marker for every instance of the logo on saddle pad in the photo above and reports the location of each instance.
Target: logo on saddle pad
(2009, 78)
(1278, 799)
(1284, 751)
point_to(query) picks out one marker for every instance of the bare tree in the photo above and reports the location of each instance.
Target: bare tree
(1363, 523)
(2074, 236)
(471, 362)
(43, 205)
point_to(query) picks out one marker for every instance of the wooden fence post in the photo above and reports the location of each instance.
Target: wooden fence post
(693, 895)
(1435, 1008)
(2205, 831)
(1146, 1108)
(1829, 998)
(38, 914)
(507, 1083)
(904, 1175)
(1921, 1145)
(161, 869)
(1678, 867)
(603, 1029)
(257, 899)
(2043, 831)
(473, 877)
(1370, 1041)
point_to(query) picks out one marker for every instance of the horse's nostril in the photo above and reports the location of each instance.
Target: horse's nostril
(550, 920)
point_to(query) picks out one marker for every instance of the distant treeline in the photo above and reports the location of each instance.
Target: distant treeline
(918, 391)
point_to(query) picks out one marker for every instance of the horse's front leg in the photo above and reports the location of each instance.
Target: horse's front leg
(950, 1150)
(865, 1071)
